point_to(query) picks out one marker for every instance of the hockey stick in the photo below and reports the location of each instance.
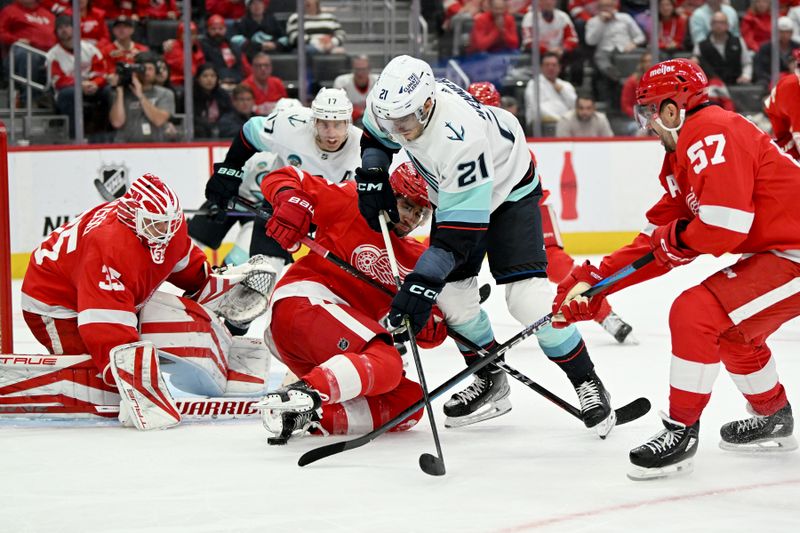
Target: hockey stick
(337, 447)
(433, 466)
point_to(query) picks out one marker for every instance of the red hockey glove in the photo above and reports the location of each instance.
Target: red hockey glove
(569, 306)
(667, 248)
(434, 332)
(291, 218)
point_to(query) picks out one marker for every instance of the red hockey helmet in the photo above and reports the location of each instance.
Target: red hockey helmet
(678, 80)
(406, 182)
(151, 209)
(485, 92)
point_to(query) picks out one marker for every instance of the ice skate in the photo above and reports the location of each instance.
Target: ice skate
(485, 398)
(295, 397)
(285, 425)
(596, 411)
(289, 411)
(619, 329)
(668, 453)
(759, 433)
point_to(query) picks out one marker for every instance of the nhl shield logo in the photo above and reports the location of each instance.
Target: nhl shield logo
(344, 344)
(112, 181)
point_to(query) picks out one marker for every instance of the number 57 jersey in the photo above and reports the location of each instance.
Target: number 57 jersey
(740, 187)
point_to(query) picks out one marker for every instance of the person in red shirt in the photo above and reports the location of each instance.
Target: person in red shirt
(627, 98)
(227, 9)
(494, 30)
(27, 22)
(123, 49)
(173, 55)
(157, 9)
(756, 25)
(267, 89)
(728, 189)
(672, 27)
(351, 374)
(93, 25)
(783, 110)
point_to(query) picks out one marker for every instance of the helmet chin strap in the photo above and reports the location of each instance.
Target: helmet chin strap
(673, 131)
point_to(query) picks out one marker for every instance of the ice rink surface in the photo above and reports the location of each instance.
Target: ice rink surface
(534, 469)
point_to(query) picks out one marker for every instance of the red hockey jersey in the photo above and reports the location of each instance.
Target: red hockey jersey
(342, 230)
(96, 269)
(783, 109)
(735, 185)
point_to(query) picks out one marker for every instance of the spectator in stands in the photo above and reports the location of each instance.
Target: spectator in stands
(672, 27)
(61, 64)
(93, 25)
(494, 30)
(763, 60)
(243, 103)
(460, 9)
(757, 24)
(25, 21)
(628, 96)
(258, 30)
(218, 51)
(227, 9)
(267, 88)
(556, 96)
(700, 21)
(556, 31)
(173, 55)
(122, 49)
(687, 7)
(581, 11)
(357, 84)
(794, 16)
(723, 55)
(584, 121)
(140, 109)
(323, 33)
(210, 102)
(611, 32)
(510, 104)
(156, 9)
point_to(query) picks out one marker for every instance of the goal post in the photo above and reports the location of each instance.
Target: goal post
(6, 328)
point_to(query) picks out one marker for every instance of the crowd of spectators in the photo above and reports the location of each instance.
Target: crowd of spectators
(134, 92)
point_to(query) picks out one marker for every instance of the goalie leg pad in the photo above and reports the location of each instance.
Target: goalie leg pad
(145, 402)
(248, 371)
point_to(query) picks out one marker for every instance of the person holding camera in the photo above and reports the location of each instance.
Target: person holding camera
(140, 109)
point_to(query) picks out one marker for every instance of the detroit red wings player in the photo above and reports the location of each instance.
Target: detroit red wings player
(728, 189)
(324, 323)
(783, 109)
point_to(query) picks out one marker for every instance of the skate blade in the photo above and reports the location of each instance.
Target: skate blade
(605, 426)
(777, 445)
(630, 340)
(646, 474)
(495, 409)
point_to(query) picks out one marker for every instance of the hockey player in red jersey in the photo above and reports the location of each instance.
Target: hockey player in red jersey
(324, 324)
(729, 189)
(559, 262)
(783, 109)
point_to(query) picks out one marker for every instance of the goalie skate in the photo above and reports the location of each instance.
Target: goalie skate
(485, 398)
(760, 434)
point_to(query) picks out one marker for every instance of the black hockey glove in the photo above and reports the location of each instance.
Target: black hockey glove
(415, 300)
(223, 185)
(375, 195)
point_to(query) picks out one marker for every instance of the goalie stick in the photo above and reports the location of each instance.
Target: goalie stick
(628, 412)
(321, 452)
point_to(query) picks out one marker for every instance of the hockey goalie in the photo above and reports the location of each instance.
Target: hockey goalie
(90, 297)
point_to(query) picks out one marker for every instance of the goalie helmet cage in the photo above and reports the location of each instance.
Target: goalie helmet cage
(6, 332)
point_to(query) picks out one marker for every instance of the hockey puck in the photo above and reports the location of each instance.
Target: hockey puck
(277, 441)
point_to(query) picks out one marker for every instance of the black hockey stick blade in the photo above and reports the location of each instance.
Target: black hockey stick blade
(431, 465)
(485, 291)
(632, 411)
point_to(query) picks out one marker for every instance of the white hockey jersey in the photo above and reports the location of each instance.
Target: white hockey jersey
(289, 134)
(472, 156)
(254, 171)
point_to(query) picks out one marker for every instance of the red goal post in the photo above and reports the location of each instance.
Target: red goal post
(6, 330)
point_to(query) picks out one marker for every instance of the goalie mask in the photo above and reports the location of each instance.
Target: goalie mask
(399, 99)
(332, 113)
(151, 209)
(411, 192)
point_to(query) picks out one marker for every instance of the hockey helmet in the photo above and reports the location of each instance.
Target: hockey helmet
(407, 184)
(332, 104)
(399, 96)
(485, 92)
(287, 103)
(152, 210)
(678, 80)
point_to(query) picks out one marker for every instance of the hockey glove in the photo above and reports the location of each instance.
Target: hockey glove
(432, 335)
(415, 300)
(569, 306)
(375, 195)
(291, 218)
(223, 185)
(667, 247)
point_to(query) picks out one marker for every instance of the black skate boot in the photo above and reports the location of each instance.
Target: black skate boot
(485, 398)
(618, 328)
(759, 433)
(596, 410)
(289, 410)
(667, 453)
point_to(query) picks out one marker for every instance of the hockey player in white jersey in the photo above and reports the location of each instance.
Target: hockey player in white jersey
(482, 180)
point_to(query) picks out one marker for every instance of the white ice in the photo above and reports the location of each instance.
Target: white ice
(535, 469)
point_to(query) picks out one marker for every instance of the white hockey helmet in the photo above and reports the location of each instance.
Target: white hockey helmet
(399, 95)
(332, 104)
(287, 103)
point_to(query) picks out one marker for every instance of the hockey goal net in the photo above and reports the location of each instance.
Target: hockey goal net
(6, 332)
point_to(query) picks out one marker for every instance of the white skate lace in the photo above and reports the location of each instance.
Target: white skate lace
(756, 422)
(473, 391)
(589, 395)
(664, 440)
